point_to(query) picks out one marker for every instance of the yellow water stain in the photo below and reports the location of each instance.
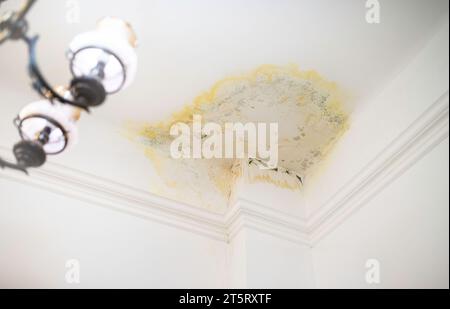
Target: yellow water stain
(223, 181)
(314, 105)
(268, 71)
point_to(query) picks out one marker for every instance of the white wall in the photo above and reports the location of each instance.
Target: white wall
(376, 123)
(405, 228)
(258, 260)
(40, 231)
(275, 263)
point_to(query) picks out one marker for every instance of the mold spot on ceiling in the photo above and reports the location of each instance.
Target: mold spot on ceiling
(308, 109)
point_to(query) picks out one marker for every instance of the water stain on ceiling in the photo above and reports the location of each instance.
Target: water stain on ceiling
(309, 111)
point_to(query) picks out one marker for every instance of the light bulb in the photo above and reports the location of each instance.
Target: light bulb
(52, 125)
(107, 53)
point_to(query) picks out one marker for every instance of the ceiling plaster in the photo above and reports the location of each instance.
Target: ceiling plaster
(186, 45)
(309, 111)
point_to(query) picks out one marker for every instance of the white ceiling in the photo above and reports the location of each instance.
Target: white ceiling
(186, 46)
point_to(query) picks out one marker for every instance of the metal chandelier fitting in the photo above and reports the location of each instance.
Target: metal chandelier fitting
(102, 62)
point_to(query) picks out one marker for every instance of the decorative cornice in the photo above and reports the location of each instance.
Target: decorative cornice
(422, 136)
(428, 131)
(248, 214)
(68, 182)
(89, 188)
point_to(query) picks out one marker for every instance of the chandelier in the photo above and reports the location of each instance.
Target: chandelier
(102, 62)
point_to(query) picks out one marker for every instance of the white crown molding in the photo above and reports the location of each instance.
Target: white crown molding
(248, 214)
(92, 189)
(416, 141)
(75, 184)
(422, 136)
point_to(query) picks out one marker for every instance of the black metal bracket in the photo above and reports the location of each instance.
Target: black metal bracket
(13, 24)
(41, 85)
(15, 166)
(87, 92)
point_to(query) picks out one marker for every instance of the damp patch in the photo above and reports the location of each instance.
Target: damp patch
(309, 111)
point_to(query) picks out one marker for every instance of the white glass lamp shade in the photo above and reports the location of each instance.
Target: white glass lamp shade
(111, 48)
(58, 119)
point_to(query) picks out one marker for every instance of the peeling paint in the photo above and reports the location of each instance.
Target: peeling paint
(309, 111)
(252, 173)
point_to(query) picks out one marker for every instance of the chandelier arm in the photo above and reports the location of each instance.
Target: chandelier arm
(40, 84)
(25, 8)
(13, 24)
(14, 166)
